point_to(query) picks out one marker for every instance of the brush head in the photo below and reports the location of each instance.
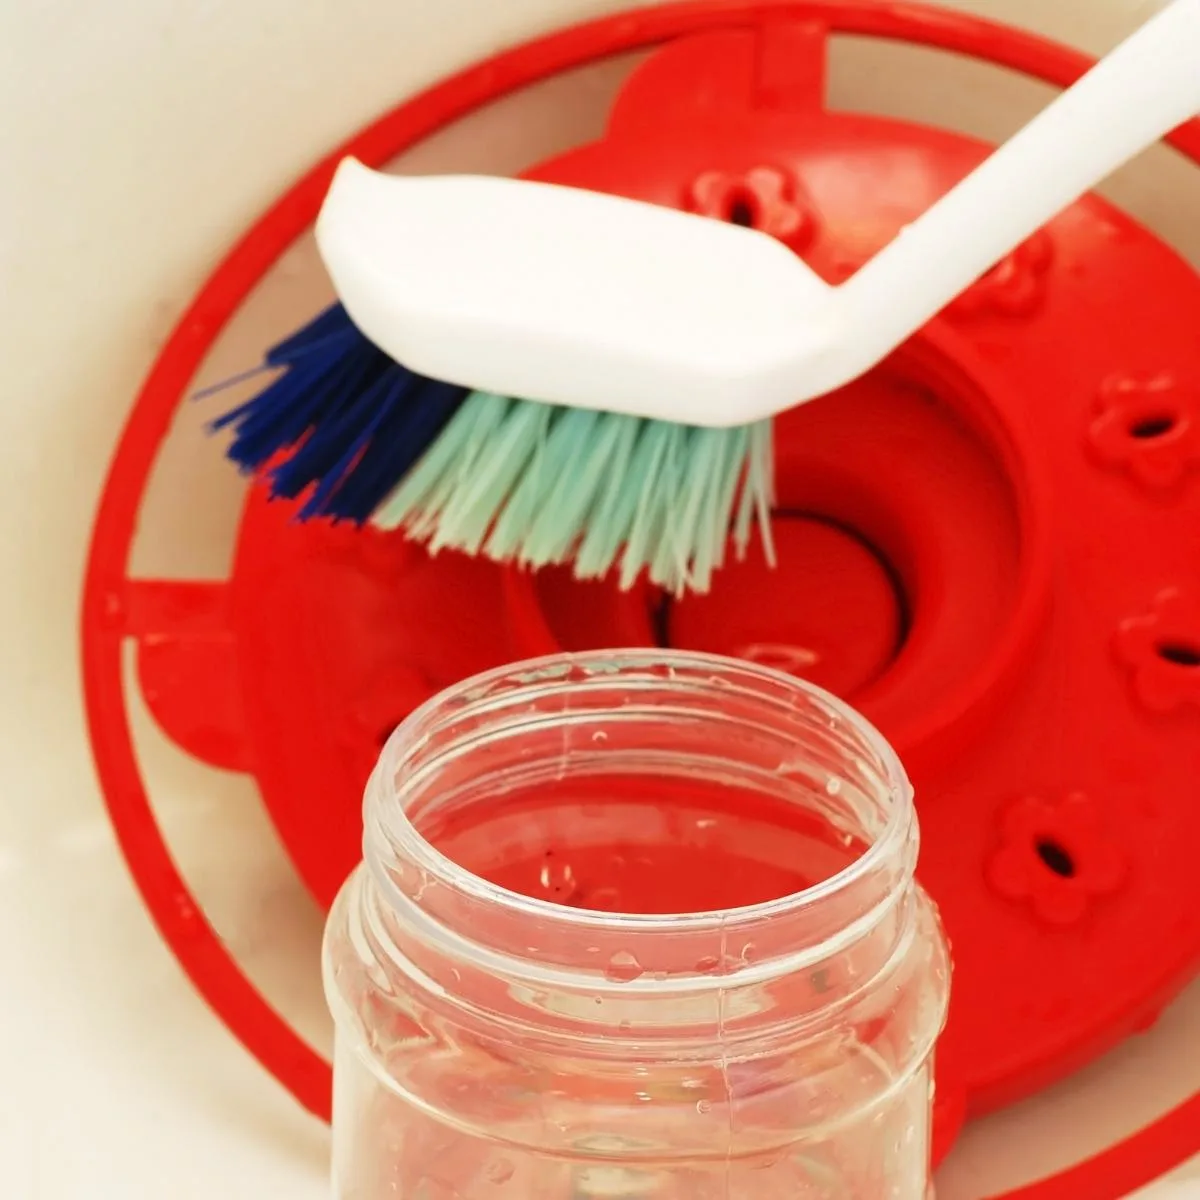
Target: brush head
(577, 298)
(360, 438)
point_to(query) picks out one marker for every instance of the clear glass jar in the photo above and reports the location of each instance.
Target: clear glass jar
(758, 1023)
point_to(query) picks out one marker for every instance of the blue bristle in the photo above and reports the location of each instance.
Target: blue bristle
(345, 418)
(323, 332)
(404, 432)
(284, 411)
(342, 418)
(326, 459)
(325, 328)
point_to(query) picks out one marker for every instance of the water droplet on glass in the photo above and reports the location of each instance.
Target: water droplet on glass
(708, 964)
(643, 1096)
(703, 1106)
(749, 952)
(623, 967)
(558, 878)
(593, 950)
(833, 785)
(599, 736)
(501, 1171)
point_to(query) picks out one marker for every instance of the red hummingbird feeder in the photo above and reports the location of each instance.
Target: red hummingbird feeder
(990, 545)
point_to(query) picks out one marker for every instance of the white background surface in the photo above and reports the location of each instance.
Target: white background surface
(137, 138)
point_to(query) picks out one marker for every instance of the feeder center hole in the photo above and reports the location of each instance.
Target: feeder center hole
(1181, 653)
(1056, 858)
(1156, 425)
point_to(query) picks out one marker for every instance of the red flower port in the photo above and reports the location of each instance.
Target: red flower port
(1149, 428)
(764, 198)
(1014, 287)
(1057, 856)
(1161, 649)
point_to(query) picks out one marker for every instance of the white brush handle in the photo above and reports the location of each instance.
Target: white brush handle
(1144, 89)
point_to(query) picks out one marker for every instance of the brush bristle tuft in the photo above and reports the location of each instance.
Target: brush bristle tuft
(537, 484)
(341, 424)
(358, 437)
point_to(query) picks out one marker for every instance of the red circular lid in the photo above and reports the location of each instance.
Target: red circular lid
(989, 545)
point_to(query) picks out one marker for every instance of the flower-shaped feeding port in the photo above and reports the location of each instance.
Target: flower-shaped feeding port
(1014, 287)
(765, 198)
(1161, 650)
(1057, 856)
(1149, 428)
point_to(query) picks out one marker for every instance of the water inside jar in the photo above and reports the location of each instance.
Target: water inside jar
(638, 843)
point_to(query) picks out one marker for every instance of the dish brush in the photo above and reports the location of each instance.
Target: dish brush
(651, 348)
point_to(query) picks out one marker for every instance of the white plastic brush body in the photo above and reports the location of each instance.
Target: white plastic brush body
(592, 301)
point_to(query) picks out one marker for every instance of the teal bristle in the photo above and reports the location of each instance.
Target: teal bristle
(538, 485)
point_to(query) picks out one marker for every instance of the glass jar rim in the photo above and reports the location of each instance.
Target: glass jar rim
(402, 835)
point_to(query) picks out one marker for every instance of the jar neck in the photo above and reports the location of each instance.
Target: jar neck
(598, 720)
